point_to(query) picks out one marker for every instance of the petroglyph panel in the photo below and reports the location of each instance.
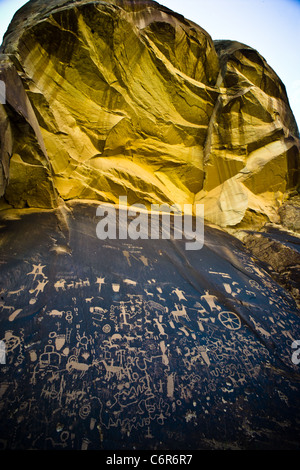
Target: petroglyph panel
(103, 353)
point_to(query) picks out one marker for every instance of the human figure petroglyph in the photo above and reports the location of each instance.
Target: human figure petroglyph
(124, 314)
(37, 271)
(179, 293)
(100, 281)
(40, 287)
(210, 300)
(165, 359)
(160, 327)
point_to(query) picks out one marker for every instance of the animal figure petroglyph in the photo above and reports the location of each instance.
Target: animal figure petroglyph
(111, 370)
(180, 312)
(60, 284)
(56, 313)
(74, 365)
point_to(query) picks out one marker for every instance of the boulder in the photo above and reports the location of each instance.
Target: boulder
(129, 98)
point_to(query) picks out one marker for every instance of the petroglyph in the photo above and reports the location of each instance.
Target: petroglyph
(145, 349)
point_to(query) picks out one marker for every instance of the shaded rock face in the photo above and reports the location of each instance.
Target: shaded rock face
(281, 251)
(118, 97)
(122, 343)
(117, 344)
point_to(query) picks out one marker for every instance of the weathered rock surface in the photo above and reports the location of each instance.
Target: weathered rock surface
(141, 344)
(281, 251)
(125, 97)
(118, 344)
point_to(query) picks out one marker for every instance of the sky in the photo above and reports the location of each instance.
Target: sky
(272, 27)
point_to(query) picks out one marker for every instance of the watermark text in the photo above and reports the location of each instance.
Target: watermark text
(2, 92)
(296, 353)
(164, 222)
(2, 353)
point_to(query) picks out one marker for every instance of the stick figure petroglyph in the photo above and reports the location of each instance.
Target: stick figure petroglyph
(37, 271)
(40, 287)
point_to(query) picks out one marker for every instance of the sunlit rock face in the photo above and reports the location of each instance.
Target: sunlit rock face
(113, 98)
(124, 343)
(122, 93)
(252, 146)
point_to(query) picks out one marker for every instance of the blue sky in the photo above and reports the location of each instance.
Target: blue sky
(270, 26)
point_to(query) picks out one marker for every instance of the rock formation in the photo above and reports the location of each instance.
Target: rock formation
(141, 344)
(108, 98)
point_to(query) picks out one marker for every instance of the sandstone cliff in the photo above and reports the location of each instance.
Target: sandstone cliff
(129, 98)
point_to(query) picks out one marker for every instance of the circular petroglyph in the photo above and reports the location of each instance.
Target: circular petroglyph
(230, 320)
(106, 328)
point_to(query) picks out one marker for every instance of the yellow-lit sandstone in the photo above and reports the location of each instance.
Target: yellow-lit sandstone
(115, 98)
